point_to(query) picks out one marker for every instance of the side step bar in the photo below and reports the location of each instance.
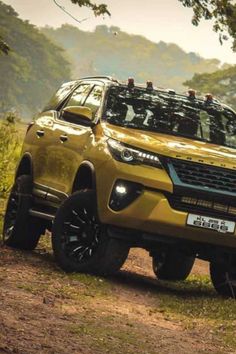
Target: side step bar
(41, 215)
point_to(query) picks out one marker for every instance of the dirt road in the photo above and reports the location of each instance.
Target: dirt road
(43, 310)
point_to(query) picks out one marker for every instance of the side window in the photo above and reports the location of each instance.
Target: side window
(94, 99)
(59, 96)
(79, 95)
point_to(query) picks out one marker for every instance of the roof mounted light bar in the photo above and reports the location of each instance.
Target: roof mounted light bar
(149, 86)
(209, 98)
(191, 94)
(130, 83)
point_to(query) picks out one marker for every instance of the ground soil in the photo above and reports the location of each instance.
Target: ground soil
(43, 310)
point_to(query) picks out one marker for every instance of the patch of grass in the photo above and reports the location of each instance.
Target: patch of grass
(95, 286)
(28, 287)
(195, 298)
(112, 334)
(68, 286)
(195, 303)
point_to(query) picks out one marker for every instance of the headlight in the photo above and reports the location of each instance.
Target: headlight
(128, 154)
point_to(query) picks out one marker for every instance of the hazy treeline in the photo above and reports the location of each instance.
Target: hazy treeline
(111, 51)
(221, 83)
(34, 67)
(41, 59)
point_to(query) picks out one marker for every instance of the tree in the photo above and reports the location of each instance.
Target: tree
(9, 151)
(4, 47)
(222, 12)
(165, 64)
(98, 10)
(33, 70)
(221, 84)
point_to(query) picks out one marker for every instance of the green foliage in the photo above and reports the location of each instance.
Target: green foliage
(100, 9)
(34, 67)
(113, 52)
(4, 47)
(223, 12)
(9, 150)
(221, 83)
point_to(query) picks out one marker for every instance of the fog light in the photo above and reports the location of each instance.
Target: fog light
(121, 189)
(123, 194)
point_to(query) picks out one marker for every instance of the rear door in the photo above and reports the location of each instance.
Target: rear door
(39, 138)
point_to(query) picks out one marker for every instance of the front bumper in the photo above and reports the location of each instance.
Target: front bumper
(151, 211)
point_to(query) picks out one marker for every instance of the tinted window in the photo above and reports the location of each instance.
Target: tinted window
(59, 96)
(93, 101)
(159, 112)
(79, 95)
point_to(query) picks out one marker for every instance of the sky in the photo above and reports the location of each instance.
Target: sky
(157, 20)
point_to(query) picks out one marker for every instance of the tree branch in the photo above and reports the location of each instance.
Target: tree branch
(68, 13)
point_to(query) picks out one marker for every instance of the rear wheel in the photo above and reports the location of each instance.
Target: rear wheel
(172, 265)
(223, 279)
(20, 230)
(80, 242)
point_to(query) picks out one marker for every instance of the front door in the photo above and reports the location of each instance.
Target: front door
(71, 140)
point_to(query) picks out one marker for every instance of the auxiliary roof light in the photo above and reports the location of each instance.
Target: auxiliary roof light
(149, 85)
(209, 98)
(130, 83)
(191, 93)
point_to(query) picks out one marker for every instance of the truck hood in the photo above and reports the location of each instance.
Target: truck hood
(173, 146)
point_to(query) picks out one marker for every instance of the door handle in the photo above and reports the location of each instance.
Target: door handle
(63, 138)
(40, 133)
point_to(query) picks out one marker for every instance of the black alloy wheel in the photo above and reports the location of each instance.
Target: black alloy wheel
(172, 265)
(223, 279)
(11, 214)
(81, 234)
(80, 242)
(20, 229)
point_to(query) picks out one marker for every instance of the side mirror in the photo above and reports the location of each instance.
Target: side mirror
(78, 114)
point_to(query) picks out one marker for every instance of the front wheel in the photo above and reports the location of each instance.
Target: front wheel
(172, 265)
(80, 242)
(20, 230)
(223, 279)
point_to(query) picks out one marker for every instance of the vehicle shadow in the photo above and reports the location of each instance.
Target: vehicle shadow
(130, 280)
(144, 283)
(141, 283)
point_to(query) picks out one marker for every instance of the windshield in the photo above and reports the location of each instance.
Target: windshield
(177, 115)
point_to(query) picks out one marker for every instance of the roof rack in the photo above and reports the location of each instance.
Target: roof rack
(99, 77)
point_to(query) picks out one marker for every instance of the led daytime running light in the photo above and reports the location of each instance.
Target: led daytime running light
(128, 154)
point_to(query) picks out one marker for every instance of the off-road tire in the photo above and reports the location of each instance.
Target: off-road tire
(172, 265)
(80, 242)
(20, 230)
(223, 280)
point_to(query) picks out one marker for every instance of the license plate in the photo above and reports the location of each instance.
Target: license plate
(210, 223)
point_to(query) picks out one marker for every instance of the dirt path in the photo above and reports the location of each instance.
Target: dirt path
(43, 310)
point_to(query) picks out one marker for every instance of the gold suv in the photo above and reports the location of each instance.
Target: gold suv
(118, 165)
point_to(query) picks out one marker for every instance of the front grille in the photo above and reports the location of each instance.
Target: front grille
(202, 207)
(205, 176)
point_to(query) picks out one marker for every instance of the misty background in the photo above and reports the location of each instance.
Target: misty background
(152, 40)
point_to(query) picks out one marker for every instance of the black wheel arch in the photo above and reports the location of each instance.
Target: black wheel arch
(25, 166)
(85, 177)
